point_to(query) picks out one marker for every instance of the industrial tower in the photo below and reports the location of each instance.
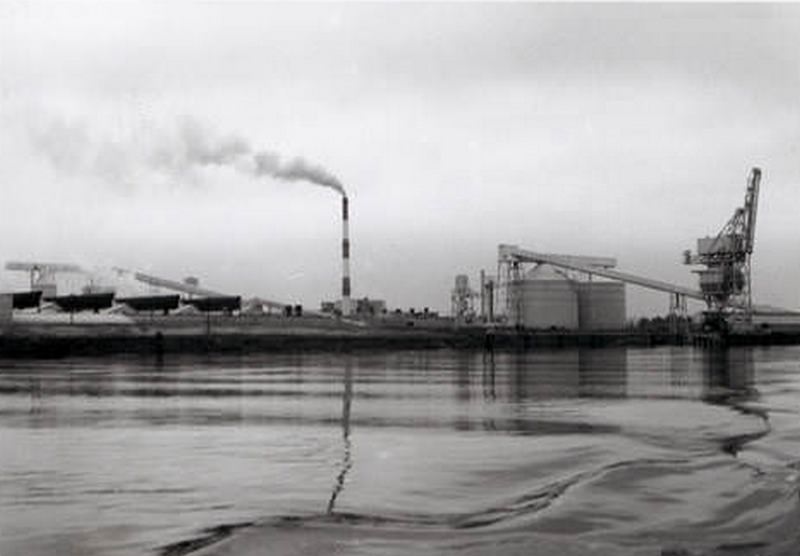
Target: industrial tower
(462, 298)
(725, 281)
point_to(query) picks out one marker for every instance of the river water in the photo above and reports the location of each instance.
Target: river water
(662, 451)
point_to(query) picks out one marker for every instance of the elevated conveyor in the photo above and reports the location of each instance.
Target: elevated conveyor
(598, 266)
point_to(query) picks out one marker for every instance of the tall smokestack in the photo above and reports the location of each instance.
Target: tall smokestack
(346, 308)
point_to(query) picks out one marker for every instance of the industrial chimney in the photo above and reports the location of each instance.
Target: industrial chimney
(345, 259)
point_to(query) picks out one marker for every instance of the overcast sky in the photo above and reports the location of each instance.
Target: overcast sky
(614, 130)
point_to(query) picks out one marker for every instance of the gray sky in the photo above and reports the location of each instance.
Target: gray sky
(618, 130)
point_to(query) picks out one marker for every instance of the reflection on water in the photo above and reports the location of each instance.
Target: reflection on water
(434, 452)
(347, 460)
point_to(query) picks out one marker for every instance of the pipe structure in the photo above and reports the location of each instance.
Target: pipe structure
(346, 306)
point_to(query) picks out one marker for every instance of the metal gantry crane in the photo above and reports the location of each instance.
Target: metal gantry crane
(726, 280)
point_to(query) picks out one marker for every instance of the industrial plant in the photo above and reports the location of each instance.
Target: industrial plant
(548, 294)
(542, 291)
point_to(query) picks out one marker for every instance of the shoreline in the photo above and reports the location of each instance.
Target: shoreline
(35, 336)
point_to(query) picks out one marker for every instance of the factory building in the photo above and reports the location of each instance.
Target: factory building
(364, 307)
(547, 298)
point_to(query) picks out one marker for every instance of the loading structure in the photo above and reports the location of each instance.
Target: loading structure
(193, 291)
(726, 279)
(511, 260)
(43, 274)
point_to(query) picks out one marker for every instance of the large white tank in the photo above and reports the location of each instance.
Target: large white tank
(544, 299)
(601, 305)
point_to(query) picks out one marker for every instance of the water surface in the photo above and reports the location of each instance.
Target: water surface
(606, 451)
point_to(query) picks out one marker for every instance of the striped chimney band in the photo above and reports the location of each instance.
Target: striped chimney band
(346, 309)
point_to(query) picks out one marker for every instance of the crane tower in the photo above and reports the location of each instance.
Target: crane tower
(725, 280)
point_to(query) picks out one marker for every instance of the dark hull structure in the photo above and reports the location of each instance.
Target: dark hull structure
(26, 300)
(144, 303)
(83, 302)
(227, 303)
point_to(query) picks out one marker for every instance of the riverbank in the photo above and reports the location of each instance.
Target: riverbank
(226, 334)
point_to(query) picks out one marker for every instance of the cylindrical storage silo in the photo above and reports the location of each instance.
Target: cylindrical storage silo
(544, 299)
(601, 305)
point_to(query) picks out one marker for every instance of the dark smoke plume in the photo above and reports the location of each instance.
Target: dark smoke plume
(72, 149)
(296, 169)
(201, 148)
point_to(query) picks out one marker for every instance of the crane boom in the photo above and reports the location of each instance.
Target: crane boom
(28, 266)
(751, 208)
(174, 285)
